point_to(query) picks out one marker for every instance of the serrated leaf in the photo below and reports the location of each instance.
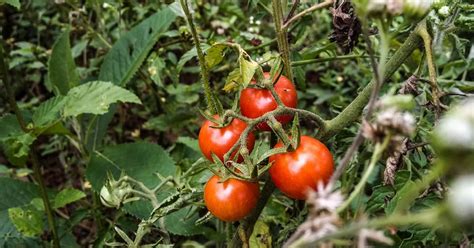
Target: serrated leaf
(61, 67)
(247, 70)
(67, 196)
(14, 3)
(48, 111)
(95, 98)
(28, 221)
(215, 55)
(125, 58)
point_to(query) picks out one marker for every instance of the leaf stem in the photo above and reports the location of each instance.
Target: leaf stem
(422, 31)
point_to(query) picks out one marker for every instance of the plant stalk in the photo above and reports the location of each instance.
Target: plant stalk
(211, 102)
(282, 37)
(33, 155)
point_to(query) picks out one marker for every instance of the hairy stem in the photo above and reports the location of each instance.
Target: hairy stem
(211, 102)
(282, 37)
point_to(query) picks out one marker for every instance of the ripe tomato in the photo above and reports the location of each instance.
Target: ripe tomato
(256, 102)
(220, 140)
(230, 200)
(294, 173)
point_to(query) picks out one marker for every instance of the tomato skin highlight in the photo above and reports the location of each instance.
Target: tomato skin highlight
(220, 140)
(256, 102)
(294, 173)
(231, 200)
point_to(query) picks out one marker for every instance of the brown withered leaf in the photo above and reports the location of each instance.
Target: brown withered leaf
(346, 26)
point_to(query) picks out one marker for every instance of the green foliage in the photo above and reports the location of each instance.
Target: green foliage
(61, 67)
(67, 196)
(126, 57)
(27, 221)
(95, 98)
(14, 3)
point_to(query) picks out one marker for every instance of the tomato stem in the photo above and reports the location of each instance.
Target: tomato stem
(212, 101)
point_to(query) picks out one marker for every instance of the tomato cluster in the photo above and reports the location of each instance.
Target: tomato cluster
(294, 172)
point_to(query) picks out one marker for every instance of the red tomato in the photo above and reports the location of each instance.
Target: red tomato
(230, 200)
(294, 173)
(220, 140)
(256, 102)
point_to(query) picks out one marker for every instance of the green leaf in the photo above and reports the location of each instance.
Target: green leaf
(215, 55)
(14, 3)
(182, 222)
(19, 146)
(233, 80)
(48, 111)
(247, 70)
(28, 221)
(14, 142)
(187, 56)
(14, 193)
(95, 98)
(61, 67)
(67, 196)
(189, 142)
(261, 237)
(129, 52)
(125, 58)
(10, 126)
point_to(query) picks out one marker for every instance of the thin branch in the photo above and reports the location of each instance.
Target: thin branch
(319, 60)
(315, 7)
(292, 11)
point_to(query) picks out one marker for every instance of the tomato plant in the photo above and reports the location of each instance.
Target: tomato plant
(298, 171)
(230, 200)
(255, 102)
(219, 140)
(103, 143)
